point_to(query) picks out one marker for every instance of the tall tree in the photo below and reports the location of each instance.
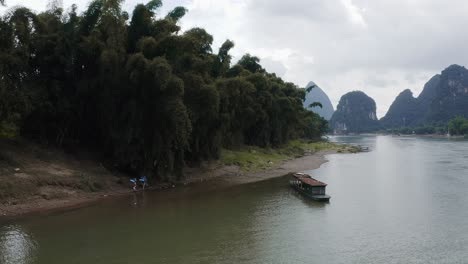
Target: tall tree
(144, 96)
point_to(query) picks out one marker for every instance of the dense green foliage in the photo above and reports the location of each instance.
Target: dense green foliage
(148, 97)
(458, 126)
(355, 113)
(418, 130)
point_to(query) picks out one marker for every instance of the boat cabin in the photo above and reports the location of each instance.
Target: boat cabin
(309, 186)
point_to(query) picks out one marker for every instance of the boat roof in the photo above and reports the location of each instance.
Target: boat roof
(307, 179)
(301, 175)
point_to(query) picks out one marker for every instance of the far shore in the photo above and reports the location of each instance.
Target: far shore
(222, 174)
(406, 135)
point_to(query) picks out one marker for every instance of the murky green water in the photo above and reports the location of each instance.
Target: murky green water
(404, 202)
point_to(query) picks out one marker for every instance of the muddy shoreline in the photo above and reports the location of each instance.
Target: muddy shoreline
(224, 175)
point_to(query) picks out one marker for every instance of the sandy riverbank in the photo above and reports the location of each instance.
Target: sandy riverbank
(215, 173)
(233, 175)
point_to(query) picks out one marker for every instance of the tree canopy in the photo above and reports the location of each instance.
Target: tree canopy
(136, 89)
(458, 126)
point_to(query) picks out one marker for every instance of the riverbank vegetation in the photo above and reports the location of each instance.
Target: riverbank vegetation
(457, 126)
(419, 130)
(252, 159)
(135, 89)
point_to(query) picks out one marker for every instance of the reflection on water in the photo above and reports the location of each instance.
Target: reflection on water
(404, 202)
(16, 246)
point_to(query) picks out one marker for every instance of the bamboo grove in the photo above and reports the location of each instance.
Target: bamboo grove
(137, 90)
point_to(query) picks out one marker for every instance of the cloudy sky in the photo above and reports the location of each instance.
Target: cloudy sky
(378, 46)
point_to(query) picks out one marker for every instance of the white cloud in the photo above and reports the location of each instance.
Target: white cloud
(355, 13)
(378, 46)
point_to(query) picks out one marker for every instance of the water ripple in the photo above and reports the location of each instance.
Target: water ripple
(16, 246)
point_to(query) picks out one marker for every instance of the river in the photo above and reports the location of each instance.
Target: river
(406, 201)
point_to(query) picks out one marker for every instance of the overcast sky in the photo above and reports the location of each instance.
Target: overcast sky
(378, 46)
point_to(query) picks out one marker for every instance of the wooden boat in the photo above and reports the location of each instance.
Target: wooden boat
(309, 187)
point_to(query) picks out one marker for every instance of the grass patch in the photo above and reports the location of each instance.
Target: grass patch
(90, 184)
(302, 147)
(16, 189)
(252, 159)
(53, 194)
(79, 181)
(12, 188)
(8, 130)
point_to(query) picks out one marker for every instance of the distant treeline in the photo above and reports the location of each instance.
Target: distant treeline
(146, 96)
(419, 130)
(457, 126)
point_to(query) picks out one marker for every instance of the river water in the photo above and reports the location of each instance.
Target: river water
(406, 201)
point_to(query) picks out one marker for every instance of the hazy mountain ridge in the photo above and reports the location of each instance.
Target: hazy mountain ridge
(318, 95)
(444, 97)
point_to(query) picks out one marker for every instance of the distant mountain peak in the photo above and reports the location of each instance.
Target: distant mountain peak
(443, 97)
(406, 92)
(355, 113)
(454, 67)
(404, 111)
(318, 95)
